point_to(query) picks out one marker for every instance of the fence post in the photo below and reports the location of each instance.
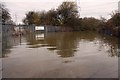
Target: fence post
(0, 42)
(0, 37)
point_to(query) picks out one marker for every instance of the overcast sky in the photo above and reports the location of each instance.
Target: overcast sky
(88, 8)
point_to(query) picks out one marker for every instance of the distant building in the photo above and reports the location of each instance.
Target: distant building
(119, 6)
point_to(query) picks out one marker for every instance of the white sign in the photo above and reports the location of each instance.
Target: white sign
(39, 28)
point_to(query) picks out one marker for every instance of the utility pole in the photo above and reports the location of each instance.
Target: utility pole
(78, 6)
(19, 30)
(119, 7)
(16, 18)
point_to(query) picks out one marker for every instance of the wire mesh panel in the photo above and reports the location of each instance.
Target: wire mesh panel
(7, 31)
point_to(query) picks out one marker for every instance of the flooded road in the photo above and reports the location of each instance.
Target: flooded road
(61, 55)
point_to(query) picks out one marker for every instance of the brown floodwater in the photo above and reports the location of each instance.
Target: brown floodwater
(61, 55)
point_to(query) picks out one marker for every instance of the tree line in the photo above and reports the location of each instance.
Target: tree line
(111, 26)
(5, 15)
(66, 15)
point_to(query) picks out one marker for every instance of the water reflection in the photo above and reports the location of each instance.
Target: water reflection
(111, 43)
(39, 36)
(8, 42)
(66, 44)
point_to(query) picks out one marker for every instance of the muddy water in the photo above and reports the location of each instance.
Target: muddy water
(61, 55)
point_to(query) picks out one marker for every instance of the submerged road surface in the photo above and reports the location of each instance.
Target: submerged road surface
(61, 55)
